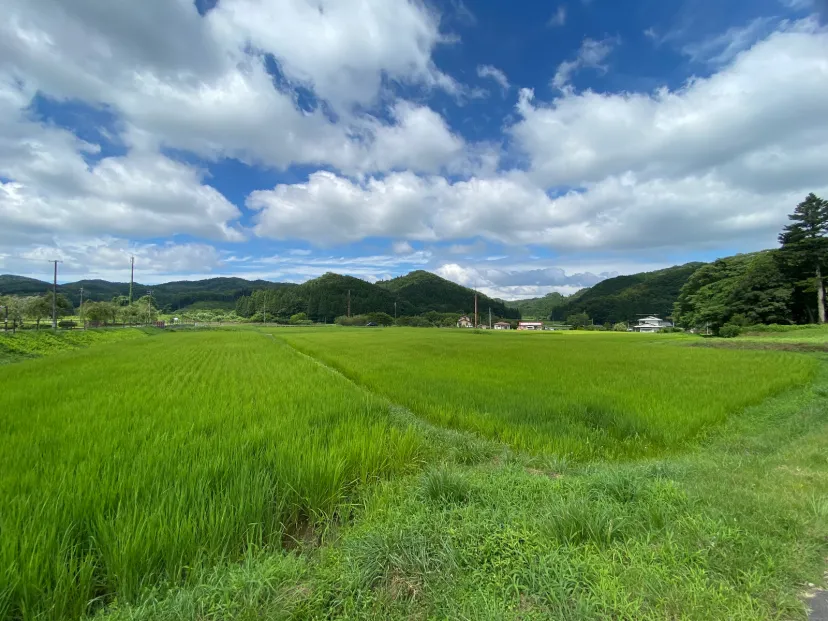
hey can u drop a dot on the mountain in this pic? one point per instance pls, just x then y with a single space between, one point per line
539 308
171 295
429 292
623 298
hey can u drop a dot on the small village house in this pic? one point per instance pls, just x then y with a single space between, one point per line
465 322
503 325
530 325
651 324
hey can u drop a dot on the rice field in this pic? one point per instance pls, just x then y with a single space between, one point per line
579 395
125 467
168 477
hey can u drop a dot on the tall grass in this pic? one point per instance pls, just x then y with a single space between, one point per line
126 468
607 396
32 344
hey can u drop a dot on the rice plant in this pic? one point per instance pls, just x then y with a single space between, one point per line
124 468
582 397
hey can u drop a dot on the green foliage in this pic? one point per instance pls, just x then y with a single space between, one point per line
445 486
169 296
624 297
746 285
539 308
620 327
578 320
299 318
164 458
34 344
611 396
730 330
804 257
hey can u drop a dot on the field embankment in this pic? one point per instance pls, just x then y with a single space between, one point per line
24 344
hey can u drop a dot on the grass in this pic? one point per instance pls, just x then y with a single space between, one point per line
613 396
221 474
733 530
124 468
22 345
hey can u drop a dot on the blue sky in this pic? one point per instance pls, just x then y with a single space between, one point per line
519 148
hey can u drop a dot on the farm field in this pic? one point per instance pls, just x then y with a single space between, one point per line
579 396
223 474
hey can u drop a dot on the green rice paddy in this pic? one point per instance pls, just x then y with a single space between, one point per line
404 473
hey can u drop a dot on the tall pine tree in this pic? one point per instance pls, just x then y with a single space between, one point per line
805 245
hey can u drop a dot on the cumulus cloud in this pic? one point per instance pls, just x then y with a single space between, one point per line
206 84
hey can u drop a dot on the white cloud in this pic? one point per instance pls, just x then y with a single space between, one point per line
109 258
402 247
202 84
591 55
559 18
50 187
513 284
725 47
487 71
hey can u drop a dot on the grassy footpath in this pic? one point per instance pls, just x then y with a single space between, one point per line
23 345
733 530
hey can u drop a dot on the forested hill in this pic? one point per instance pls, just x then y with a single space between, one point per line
624 298
428 292
326 298
170 296
539 308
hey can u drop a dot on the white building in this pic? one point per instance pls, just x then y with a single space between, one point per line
465 322
530 325
503 325
651 324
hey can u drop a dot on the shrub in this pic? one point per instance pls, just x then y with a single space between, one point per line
729 331
66 324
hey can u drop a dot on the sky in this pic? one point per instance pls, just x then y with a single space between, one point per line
515 147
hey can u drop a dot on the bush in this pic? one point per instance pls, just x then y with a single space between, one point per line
729 331
299 318
445 486
415 322
66 324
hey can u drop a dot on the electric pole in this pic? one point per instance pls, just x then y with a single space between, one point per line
149 306
54 295
80 309
395 312
475 309
349 302
264 312
490 318
131 277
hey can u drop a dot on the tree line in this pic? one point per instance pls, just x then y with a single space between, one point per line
782 286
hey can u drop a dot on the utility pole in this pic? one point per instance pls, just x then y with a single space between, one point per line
490 318
475 309
149 306
6 320
80 309
264 311
395 312
349 302
54 295
131 277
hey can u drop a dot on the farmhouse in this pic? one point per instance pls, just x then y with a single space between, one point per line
530 325
503 325
651 324
465 322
